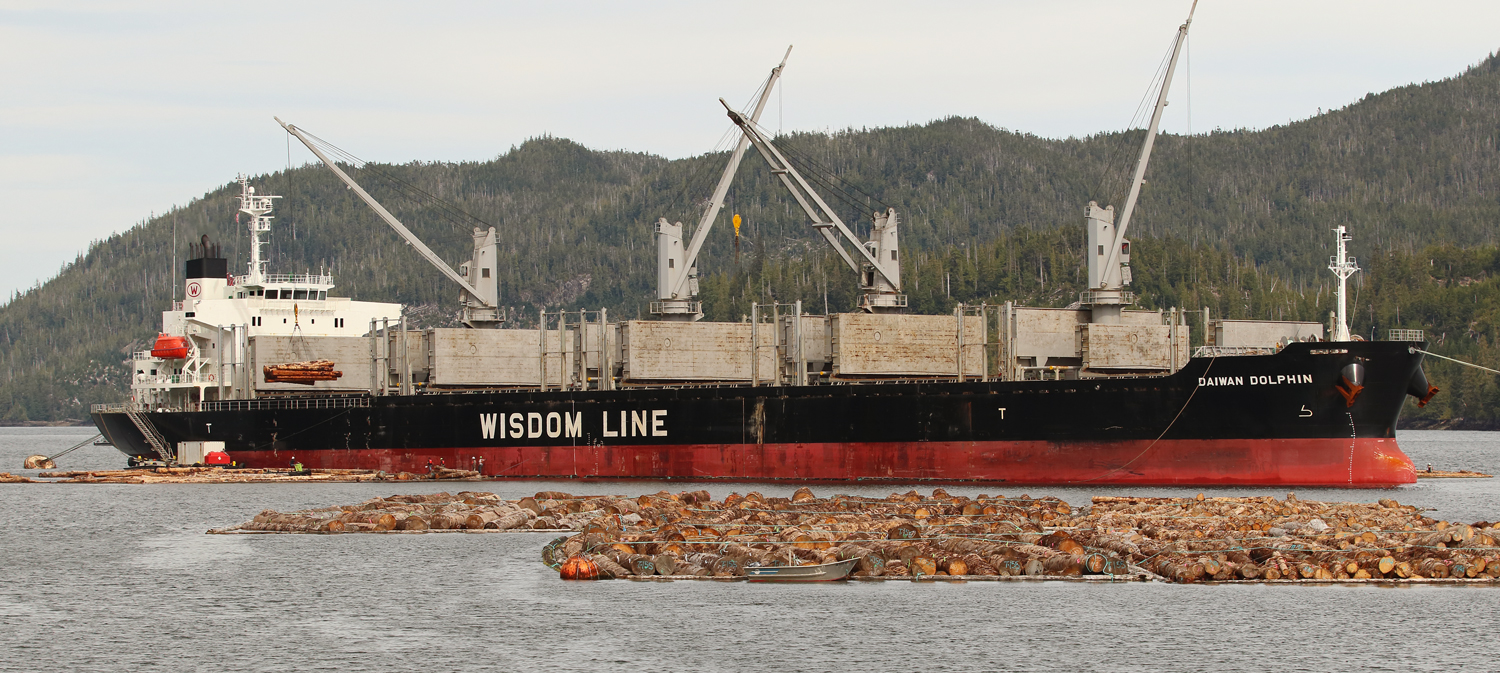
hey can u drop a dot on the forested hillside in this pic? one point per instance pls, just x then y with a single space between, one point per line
1237 221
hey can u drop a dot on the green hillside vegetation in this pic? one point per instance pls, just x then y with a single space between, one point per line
1236 221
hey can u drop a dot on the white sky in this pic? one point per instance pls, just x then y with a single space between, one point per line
115 110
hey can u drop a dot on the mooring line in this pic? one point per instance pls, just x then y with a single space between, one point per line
1466 364
1158 437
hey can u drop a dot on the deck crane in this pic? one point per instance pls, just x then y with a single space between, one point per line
676 268
878 262
479 277
1108 250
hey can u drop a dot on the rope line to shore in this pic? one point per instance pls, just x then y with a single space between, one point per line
1466 364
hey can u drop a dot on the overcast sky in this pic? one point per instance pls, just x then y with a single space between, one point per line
115 110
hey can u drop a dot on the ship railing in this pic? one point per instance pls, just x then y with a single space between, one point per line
178 305
290 279
1049 373
142 355
173 379
1407 335
884 300
1091 297
116 407
1231 351
285 403
676 307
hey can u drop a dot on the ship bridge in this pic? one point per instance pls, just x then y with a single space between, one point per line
227 319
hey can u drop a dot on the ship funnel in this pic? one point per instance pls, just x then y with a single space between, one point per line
206 273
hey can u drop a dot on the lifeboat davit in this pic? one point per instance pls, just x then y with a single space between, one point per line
170 347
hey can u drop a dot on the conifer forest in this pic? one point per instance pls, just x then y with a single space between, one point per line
1235 221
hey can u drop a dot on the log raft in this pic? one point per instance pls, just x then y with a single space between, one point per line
943 537
1430 473
465 512
913 536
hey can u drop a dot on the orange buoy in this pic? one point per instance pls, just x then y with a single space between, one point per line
170 347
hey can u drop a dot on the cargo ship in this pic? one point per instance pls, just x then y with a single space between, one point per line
271 370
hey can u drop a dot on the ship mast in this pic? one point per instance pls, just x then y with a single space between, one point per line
677 286
256 207
1343 266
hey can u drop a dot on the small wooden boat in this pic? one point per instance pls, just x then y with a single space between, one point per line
826 572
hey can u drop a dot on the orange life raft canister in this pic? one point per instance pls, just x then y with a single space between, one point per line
170 347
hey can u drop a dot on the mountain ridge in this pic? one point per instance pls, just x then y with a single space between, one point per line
1405 169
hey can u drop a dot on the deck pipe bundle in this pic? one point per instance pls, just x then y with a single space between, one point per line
910 535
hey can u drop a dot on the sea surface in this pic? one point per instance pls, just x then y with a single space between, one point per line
123 578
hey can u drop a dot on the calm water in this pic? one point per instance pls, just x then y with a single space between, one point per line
121 577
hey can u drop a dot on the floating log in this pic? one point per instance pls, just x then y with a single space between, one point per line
37 462
1173 539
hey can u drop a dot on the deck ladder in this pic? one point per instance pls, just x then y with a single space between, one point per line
153 437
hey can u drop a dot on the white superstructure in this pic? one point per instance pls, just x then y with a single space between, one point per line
222 313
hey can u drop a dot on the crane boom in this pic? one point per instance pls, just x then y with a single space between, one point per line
386 215
822 216
700 234
1140 164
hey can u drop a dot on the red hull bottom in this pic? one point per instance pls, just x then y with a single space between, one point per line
1364 463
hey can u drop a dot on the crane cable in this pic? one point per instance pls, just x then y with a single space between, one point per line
1111 168
446 209
697 178
825 175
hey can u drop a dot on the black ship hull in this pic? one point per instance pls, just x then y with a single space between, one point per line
1291 418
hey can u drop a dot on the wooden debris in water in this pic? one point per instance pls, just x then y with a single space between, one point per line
38 462
910 535
221 475
914 536
464 511
1430 473
8 478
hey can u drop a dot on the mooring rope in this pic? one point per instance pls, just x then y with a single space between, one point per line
75 447
1164 431
1466 364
